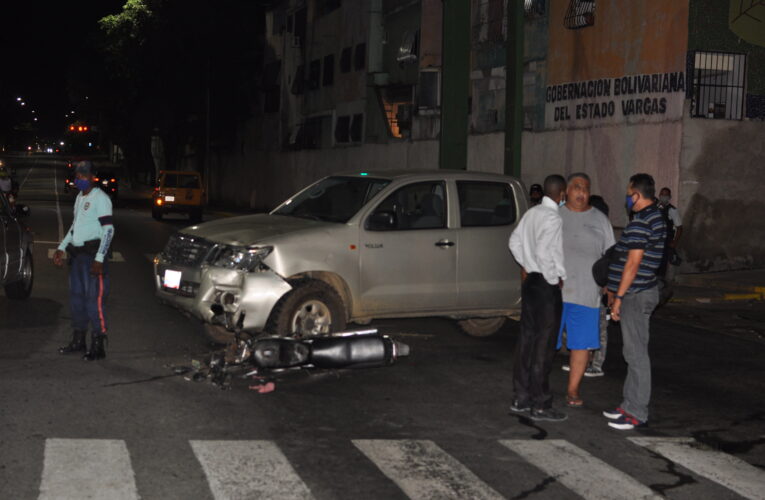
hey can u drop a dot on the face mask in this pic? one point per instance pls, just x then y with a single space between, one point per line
664 200
561 203
82 184
630 202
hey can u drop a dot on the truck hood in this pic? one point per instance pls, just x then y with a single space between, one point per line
251 229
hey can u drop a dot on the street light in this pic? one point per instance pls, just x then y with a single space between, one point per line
23 103
18 98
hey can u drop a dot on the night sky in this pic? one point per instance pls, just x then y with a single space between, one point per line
38 41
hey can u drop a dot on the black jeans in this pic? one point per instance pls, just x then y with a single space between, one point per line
541 309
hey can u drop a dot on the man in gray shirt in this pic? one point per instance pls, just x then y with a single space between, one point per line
587 234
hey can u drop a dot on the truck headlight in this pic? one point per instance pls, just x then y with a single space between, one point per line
241 258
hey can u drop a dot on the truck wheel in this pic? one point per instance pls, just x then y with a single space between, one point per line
22 288
311 308
481 327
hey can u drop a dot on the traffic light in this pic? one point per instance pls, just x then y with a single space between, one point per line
78 128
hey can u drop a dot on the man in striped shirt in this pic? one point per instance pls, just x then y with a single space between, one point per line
633 295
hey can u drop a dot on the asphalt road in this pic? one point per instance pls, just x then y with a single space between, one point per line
435 425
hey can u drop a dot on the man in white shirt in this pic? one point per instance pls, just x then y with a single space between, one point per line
537 245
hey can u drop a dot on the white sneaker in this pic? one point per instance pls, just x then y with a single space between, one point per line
593 372
566 368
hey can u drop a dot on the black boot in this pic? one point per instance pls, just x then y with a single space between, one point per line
96 348
76 345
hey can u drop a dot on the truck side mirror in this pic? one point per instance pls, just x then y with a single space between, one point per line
381 221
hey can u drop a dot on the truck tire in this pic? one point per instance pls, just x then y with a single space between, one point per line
22 289
482 327
311 308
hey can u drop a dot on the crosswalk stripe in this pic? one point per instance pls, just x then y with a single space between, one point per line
87 468
423 470
724 469
249 469
116 256
579 471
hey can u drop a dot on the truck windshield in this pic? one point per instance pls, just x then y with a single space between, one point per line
334 199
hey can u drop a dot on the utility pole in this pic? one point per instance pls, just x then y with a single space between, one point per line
514 88
455 84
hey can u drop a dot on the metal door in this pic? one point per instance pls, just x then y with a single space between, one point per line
409 267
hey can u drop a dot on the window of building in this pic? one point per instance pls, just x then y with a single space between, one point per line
324 7
314 74
429 90
409 48
485 204
357 128
360 57
717 88
329 71
398 106
416 206
343 129
534 7
580 14
345 60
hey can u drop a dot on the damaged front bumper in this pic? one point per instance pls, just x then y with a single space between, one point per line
235 299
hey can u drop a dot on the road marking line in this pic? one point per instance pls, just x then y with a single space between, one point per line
58 207
722 468
26 177
423 470
87 468
249 469
116 256
577 470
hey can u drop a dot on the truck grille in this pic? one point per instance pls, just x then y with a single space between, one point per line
184 250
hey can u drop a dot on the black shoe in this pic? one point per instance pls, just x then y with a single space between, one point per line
547 415
518 407
76 345
96 349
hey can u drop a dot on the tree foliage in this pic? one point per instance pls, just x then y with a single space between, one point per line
168 68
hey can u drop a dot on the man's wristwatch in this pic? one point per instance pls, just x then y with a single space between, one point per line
620 297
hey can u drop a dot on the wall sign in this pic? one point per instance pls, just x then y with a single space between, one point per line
607 101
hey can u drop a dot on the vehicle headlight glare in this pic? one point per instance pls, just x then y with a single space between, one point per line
241 258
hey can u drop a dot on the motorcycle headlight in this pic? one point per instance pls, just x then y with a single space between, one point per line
241 258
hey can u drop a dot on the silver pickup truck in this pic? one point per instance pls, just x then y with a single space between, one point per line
351 248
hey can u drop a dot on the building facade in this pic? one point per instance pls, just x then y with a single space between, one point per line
610 87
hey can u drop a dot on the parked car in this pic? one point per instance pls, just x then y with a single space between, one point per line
16 262
179 192
352 248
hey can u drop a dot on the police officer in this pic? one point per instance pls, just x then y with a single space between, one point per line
87 243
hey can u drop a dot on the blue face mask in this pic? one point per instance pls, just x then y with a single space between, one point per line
561 203
82 184
630 202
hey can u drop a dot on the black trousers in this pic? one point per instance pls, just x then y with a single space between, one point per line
541 308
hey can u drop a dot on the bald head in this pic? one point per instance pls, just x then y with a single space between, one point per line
555 186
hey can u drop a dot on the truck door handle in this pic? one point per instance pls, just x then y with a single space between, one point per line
444 243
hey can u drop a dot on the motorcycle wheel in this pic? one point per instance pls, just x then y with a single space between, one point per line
481 327
312 308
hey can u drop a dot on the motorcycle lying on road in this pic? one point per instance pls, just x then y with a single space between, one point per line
269 358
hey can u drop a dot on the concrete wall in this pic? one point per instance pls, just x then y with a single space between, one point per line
721 203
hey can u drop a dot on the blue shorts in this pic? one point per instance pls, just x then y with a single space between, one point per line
582 326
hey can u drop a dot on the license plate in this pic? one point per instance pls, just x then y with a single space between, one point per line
169 198
172 279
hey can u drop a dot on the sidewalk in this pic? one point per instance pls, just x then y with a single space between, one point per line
730 286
